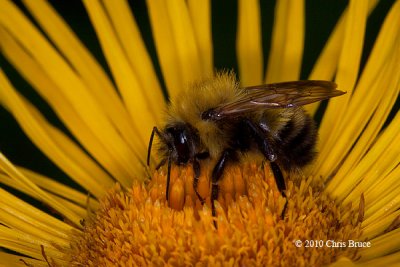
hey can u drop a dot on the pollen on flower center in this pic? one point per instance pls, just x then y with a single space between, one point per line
139 226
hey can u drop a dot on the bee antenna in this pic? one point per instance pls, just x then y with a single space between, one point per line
168 175
155 130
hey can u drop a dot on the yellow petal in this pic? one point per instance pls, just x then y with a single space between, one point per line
78 202
165 45
287 42
70 84
347 73
379 225
30 250
21 242
175 42
19 261
382 245
19 227
343 262
248 43
71 118
185 41
391 260
51 185
91 73
133 46
380 73
78 210
386 205
381 189
37 218
326 65
369 134
371 168
133 95
200 14
55 144
18 177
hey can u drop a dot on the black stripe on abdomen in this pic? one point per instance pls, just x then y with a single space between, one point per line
298 144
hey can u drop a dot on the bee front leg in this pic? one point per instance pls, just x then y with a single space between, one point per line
160 135
168 178
161 163
196 171
227 154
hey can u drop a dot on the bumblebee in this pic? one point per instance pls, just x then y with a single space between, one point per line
218 119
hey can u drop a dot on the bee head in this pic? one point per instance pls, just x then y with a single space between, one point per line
180 141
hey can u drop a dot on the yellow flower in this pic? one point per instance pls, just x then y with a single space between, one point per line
345 210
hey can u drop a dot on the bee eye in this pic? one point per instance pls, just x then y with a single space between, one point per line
181 143
182 147
206 115
210 115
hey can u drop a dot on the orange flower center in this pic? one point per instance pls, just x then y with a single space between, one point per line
139 226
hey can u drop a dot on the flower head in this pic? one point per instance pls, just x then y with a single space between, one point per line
140 226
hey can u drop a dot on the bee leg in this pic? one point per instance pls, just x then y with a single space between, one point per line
161 163
168 177
268 152
280 182
159 134
196 171
261 140
218 170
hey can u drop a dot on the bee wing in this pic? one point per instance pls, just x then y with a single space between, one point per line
276 95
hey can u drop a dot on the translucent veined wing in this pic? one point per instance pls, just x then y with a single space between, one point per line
275 95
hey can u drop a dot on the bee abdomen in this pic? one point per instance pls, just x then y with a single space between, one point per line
297 144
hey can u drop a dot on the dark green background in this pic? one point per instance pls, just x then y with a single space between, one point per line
321 17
